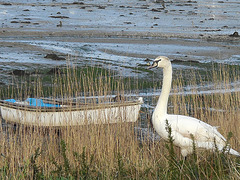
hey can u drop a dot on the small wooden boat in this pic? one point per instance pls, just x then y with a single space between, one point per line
47 112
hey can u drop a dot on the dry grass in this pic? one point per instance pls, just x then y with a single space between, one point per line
113 151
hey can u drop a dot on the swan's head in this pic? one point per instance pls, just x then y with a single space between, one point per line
161 61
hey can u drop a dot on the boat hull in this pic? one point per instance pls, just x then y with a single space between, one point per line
72 116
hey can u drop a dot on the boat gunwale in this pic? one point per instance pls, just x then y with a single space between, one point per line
80 107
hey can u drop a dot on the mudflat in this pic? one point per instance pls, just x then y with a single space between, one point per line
119 34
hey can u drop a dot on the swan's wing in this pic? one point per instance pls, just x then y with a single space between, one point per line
201 131
204 134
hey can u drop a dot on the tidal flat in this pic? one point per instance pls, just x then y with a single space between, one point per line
40 41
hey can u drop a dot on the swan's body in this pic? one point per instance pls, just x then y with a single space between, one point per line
183 127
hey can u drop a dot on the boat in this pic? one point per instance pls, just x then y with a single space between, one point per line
70 112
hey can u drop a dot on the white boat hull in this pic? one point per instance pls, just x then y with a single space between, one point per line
72 116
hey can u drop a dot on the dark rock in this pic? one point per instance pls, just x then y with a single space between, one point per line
19 72
101 7
26 22
61 17
235 34
6 4
78 3
225 26
157 9
54 57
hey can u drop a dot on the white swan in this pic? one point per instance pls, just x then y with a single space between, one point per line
183 127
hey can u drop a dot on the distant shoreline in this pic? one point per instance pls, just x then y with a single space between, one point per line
33 33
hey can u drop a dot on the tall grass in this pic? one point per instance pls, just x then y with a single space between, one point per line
114 151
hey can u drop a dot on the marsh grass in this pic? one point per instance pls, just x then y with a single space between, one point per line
114 151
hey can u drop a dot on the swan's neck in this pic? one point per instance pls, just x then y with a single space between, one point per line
161 108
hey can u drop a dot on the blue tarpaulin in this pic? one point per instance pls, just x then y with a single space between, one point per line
35 102
40 103
10 100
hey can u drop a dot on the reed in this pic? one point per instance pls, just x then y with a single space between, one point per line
114 151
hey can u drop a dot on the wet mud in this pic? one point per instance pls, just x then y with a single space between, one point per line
116 34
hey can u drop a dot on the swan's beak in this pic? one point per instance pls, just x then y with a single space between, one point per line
153 65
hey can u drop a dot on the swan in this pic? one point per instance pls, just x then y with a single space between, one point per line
183 127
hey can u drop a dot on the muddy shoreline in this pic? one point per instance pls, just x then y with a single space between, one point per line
225 43
28 33
22 42
118 35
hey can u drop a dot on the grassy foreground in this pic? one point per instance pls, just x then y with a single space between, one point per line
114 151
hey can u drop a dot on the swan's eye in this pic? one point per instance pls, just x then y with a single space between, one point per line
157 61
154 64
